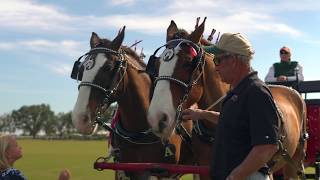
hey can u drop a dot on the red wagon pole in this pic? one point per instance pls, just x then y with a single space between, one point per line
156 168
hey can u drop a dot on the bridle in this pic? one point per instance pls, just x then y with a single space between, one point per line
120 71
194 78
121 68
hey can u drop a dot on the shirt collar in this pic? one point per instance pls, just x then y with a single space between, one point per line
244 82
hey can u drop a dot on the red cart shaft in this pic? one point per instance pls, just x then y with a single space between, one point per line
154 167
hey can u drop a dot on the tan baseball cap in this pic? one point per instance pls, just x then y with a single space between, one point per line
286 49
231 42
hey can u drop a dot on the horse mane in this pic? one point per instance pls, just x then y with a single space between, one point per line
130 52
133 54
181 34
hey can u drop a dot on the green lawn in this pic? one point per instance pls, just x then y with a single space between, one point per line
43 159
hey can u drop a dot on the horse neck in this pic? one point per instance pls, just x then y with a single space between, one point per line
134 101
213 87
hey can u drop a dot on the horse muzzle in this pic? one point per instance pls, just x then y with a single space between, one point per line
82 122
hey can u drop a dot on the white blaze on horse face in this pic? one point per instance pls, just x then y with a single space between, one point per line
161 105
81 115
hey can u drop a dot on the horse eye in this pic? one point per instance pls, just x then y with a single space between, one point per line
187 65
187 62
107 68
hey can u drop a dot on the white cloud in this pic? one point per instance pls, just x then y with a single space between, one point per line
137 22
6 46
122 2
222 15
226 15
62 69
65 47
33 17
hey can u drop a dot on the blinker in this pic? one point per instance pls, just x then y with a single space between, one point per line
168 54
76 74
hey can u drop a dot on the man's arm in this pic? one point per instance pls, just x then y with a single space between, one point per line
270 76
256 159
197 114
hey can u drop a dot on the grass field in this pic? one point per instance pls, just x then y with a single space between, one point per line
43 159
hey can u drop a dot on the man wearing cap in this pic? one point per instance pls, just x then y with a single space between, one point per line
247 126
285 70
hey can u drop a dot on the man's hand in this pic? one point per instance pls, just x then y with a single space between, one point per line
257 158
282 78
199 114
234 176
191 114
64 175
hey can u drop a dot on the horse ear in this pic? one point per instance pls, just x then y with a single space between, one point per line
196 35
94 40
116 43
172 29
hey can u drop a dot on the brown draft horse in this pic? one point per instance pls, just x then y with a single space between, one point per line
169 92
110 73
180 83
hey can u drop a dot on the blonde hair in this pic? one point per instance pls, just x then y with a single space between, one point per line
4 145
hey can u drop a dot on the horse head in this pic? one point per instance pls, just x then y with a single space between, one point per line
100 74
178 74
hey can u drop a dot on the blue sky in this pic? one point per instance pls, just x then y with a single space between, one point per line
40 39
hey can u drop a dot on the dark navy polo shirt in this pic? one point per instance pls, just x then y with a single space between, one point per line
248 118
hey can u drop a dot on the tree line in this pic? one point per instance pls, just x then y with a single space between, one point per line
34 120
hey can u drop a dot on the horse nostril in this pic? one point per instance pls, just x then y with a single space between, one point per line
162 123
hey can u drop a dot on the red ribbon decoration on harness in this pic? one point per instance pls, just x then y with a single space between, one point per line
193 52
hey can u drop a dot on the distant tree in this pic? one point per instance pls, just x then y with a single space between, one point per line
32 119
7 124
49 126
64 124
108 114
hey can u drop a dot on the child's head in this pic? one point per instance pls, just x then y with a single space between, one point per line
10 151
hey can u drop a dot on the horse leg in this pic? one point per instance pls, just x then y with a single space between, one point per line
196 177
291 171
121 175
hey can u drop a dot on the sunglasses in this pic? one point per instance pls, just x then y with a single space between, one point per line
218 59
284 52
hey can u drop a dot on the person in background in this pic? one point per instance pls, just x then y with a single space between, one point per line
247 127
10 152
285 70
